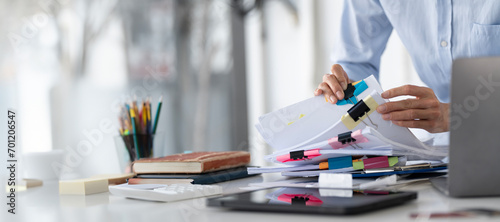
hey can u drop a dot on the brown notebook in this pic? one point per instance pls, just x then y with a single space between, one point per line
198 162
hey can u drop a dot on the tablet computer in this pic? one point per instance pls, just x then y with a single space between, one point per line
312 200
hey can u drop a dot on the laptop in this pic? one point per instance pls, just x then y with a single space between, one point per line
474 159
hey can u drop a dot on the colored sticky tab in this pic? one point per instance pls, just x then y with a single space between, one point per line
359 112
339 162
304 155
393 160
358 164
376 162
359 87
323 166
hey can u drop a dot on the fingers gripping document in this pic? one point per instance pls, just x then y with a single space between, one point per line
320 130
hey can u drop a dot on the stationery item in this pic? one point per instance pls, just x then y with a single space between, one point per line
165 193
330 164
203 178
352 91
359 112
157 114
134 131
136 128
316 156
335 180
83 186
197 162
114 178
375 162
357 140
339 162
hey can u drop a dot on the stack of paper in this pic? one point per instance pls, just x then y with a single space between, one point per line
314 132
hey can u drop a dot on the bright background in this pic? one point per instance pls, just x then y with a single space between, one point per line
65 66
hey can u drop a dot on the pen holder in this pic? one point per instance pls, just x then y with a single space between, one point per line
125 147
145 146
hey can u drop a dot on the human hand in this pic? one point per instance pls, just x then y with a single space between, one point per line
333 85
425 111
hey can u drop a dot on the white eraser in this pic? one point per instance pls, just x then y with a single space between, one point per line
335 180
83 186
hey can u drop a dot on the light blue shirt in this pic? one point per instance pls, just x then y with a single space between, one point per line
434 33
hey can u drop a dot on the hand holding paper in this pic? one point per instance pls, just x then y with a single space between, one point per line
333 85
425 111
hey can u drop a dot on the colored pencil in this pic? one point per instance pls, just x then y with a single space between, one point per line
157 114
134 133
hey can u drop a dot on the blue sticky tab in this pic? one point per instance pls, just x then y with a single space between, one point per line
360 87
339 162
345 102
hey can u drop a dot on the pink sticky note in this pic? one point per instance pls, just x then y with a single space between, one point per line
376 162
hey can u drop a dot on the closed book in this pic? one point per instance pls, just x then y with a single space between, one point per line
203 178
197 162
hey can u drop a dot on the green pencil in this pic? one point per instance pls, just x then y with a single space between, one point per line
132 116
157 114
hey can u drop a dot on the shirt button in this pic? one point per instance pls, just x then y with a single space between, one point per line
444 43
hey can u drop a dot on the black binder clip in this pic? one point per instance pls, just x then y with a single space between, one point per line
347 138
359 110
349 91
298 200
297 155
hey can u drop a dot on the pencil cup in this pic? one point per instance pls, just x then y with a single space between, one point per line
126 150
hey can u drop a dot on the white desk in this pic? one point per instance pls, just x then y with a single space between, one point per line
45 204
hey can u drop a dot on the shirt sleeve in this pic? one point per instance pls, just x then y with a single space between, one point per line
362 38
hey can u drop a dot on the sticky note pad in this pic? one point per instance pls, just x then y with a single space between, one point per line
393 160
358 164
376 162
340 162
83 186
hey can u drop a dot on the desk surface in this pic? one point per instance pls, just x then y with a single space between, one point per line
45 204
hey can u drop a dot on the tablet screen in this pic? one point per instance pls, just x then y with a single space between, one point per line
313 200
